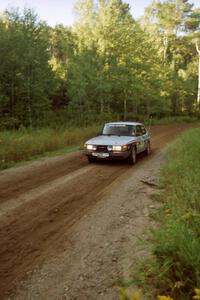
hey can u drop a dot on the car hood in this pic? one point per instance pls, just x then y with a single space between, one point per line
111 140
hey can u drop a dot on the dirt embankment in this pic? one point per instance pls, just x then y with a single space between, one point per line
65 224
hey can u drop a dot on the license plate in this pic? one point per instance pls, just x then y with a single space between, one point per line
101 155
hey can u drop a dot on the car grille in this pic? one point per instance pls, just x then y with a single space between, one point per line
102 148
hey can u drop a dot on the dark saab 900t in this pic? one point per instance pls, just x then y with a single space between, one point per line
119 140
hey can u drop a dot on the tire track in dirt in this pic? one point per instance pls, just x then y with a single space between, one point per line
35 230
40 191
14 182
40 211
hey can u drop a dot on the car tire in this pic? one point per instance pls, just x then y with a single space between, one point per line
133 156
148 148
91 159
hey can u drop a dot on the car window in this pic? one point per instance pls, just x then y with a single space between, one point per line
138 130
115 129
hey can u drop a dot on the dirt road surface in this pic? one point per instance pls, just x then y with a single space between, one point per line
69 229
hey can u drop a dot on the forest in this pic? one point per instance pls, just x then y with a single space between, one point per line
107 66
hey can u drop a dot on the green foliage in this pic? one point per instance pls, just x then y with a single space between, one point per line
25 74
22 145
107 63
165 21
176 241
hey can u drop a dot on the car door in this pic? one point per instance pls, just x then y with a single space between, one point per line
144 137
140 140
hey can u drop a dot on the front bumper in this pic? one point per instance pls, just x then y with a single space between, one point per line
107 154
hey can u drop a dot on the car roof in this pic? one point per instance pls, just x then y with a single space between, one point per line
124 123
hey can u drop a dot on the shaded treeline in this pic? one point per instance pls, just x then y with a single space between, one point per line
107 66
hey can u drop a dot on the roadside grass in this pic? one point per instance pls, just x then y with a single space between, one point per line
18 146
24 145
174 269
175 119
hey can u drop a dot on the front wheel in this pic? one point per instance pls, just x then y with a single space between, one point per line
91 159
133 157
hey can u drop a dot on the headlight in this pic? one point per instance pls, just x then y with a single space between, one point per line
91 147
117 148
120 148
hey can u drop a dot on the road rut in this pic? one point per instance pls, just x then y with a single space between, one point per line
42 201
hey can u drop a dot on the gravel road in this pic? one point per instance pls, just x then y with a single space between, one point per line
69 229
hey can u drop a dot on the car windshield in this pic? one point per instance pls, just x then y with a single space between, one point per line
121 129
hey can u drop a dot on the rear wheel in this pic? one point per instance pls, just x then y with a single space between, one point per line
91 159
133 157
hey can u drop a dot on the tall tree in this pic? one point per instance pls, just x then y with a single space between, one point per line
62 49
169 22
198 91
27 78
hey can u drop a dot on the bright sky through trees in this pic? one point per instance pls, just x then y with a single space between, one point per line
61 11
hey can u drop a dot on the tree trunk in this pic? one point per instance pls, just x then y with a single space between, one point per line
29 98
135 108
198 91
102 105
12 98
165 43
101 92
125 105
